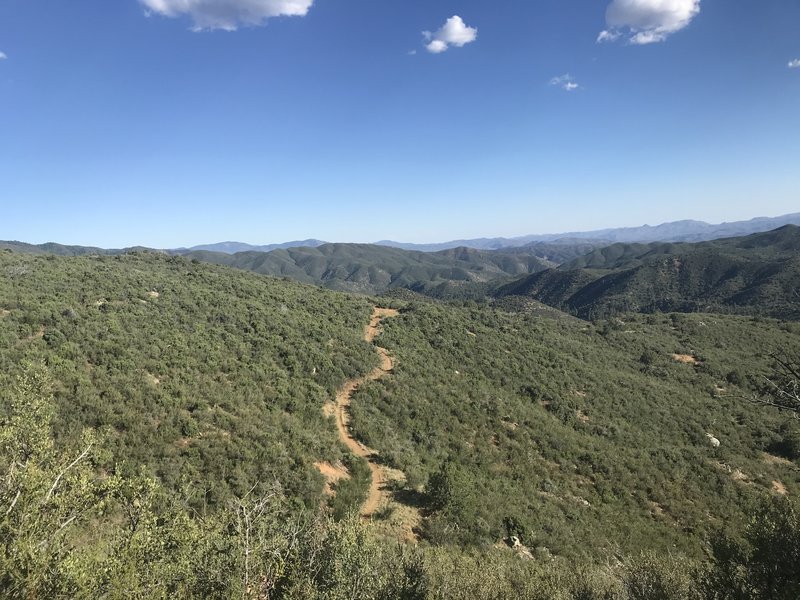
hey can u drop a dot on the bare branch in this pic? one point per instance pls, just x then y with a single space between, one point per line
10 508
781 389
65 523
767 402
788 367
64 471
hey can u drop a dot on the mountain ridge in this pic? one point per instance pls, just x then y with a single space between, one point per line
231 247
674 231
755 274
368 268
686 230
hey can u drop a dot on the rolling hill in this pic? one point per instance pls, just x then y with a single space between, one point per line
65 250
756 274
367 268
234 247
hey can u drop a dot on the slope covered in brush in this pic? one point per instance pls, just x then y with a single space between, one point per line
581 438
211 377
757 274
216 378
369 268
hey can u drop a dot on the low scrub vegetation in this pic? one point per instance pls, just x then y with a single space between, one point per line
161 419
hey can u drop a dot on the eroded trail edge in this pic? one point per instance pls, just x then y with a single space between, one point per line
378 496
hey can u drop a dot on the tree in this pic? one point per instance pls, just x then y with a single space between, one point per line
781 388
764 564
69 530
44 493
448 491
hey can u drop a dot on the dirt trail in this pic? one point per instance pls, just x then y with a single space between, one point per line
378 495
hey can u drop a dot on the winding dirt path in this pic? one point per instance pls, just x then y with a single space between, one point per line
378 495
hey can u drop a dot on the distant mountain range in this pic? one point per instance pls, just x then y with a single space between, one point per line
553 247
235 247
677 231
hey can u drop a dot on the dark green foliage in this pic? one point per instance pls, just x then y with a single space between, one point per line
764 565
351 493
559 251
782 243
445 489
367 268
758 274
651 577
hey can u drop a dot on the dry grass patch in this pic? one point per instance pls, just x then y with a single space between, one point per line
779 488
656 510
687 359
740 476
771 459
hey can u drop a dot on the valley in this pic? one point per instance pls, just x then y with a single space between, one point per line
448 425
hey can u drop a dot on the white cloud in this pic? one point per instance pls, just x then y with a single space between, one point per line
608 36
565 82
453 33
3 56
793 64
228 14
436 47
647 21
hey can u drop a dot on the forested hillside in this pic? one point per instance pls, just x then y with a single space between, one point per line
210 377
372 269
60 249
779 244
752 275
588 437
164 432
757 274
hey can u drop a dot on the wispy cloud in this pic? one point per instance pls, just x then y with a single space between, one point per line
647 21
608 36
228 15
453 33
793 64
3 56
565 82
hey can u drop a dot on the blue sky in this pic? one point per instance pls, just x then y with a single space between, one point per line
177 122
